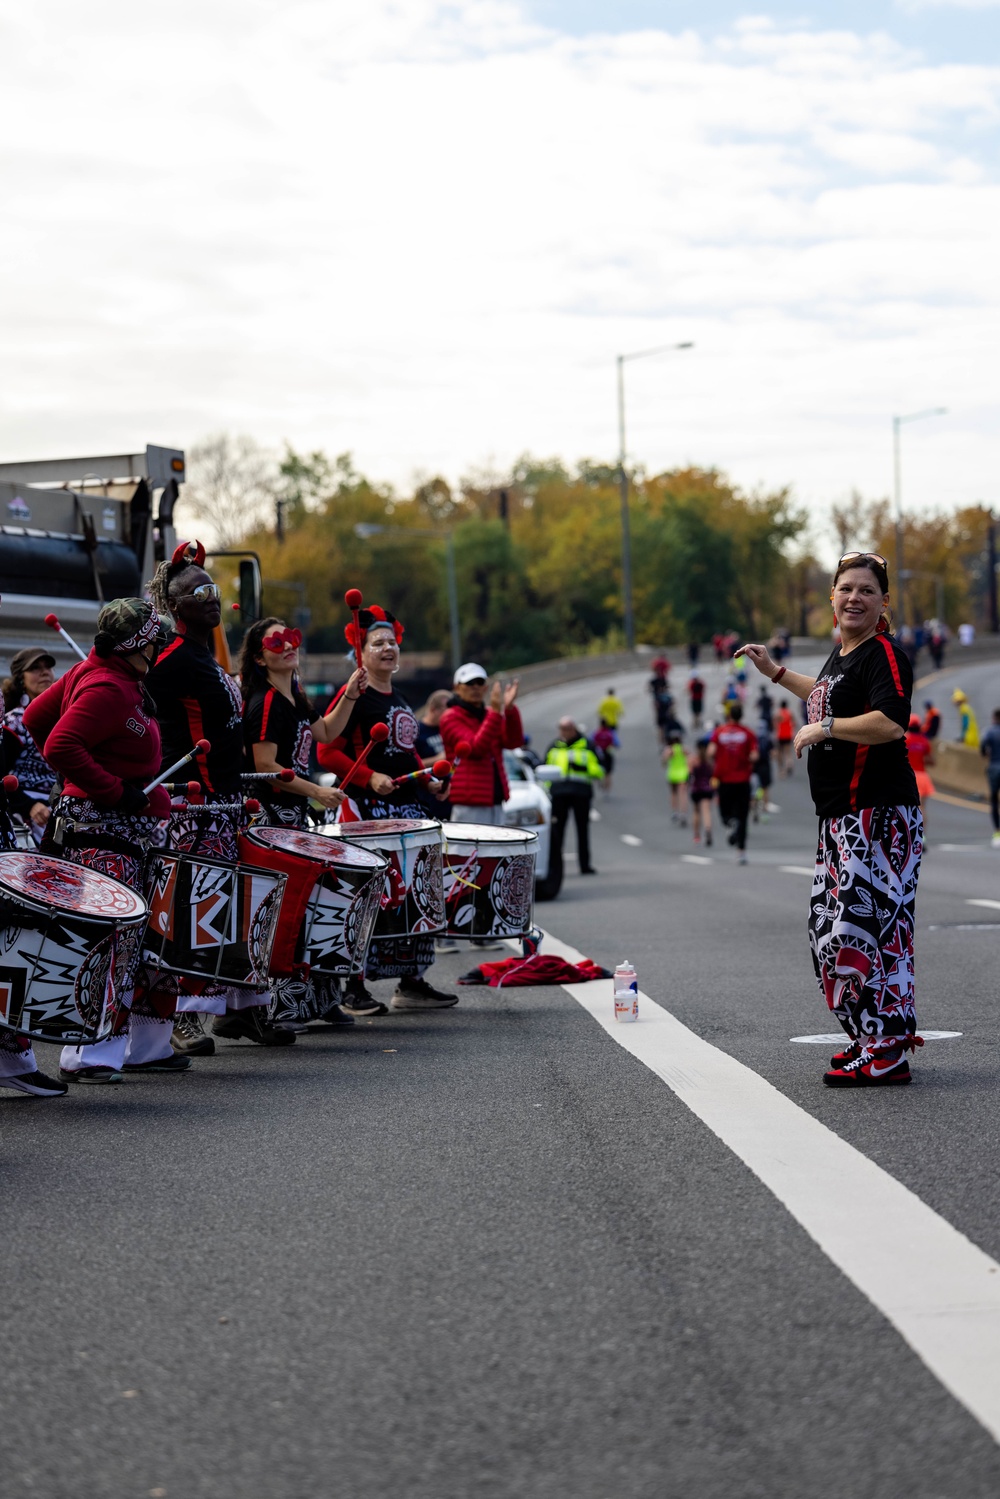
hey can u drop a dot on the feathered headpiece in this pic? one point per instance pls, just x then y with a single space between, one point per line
368 618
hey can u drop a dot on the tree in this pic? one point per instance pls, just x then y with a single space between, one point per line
231 485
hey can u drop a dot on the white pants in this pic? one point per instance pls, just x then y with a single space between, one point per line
148 1040
490 816
228 998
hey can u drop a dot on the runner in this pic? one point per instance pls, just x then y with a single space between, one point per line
676 769
785 737
990 750
696 698
702 784
932 720
733 752
605 743
871 829
611 709
921 754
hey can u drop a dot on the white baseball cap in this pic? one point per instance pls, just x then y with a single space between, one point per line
470 672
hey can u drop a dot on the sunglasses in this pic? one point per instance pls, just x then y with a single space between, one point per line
280 640
206 591
872 556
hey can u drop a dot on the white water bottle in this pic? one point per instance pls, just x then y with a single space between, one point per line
626 984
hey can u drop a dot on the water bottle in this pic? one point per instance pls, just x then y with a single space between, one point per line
626 985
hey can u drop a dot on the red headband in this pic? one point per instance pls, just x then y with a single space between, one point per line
370 618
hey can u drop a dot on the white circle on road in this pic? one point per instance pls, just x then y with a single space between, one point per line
842 1036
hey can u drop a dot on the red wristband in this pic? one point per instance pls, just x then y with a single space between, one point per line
778 675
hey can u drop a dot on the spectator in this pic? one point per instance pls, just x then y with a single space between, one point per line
479 782
968 728
430 747
605 743
573 793
31 672
990 750
932 721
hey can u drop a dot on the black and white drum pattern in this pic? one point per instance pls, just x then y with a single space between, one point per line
489 880
212 920
412 901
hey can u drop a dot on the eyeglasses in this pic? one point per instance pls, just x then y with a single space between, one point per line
281 640
873 556
206 591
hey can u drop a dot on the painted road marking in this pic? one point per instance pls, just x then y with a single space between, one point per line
796 869
991 905
632 840
696 859
841 1037
961 848
965 926
942 1294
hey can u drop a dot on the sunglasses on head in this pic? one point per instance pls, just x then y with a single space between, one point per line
867 556
281 640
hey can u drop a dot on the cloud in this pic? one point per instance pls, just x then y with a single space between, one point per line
422 231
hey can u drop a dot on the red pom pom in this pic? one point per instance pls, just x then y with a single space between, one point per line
203 746
379 733
194 788
52 621
235 608
442 768
286 775
354 598
462 747
252 804
10 783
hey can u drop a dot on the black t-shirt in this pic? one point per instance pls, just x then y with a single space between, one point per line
269 718
195 699
396 756
845 777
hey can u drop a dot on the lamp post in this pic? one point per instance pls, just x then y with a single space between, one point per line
897 480
628 615
366 531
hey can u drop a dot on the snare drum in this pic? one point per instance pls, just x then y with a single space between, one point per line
330 901
69 944
412 902
212 920
489 880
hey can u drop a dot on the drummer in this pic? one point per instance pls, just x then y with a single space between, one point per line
31 672
374 795
279 727
195 699
97 727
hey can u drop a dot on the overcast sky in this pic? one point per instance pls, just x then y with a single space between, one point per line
422 231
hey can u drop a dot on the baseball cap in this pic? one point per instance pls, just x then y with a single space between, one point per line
30 657
470 672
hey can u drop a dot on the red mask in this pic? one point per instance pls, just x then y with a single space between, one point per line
280 640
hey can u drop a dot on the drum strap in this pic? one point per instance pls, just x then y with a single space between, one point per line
72 835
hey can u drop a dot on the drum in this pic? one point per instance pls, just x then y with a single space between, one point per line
489 880
413 895
330 902
211 920
69 944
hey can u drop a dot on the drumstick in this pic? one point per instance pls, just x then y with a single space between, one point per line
268 775
10 783
440 770
379 734
354 598
201 748
53 624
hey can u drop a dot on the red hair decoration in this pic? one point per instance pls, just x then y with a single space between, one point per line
192 553
368 618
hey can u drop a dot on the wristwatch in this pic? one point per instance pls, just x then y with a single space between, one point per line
826 724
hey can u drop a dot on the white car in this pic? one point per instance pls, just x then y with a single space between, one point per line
528 806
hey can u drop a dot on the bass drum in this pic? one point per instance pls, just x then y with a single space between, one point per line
412 903
489 880
330 901
69 942
212 920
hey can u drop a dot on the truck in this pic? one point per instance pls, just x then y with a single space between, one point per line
77 532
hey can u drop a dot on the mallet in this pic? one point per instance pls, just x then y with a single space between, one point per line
10 783
268 775
440 770
354 598
379 734
53 623
201 748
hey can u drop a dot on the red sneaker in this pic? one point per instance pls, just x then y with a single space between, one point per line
874 1067
849 1054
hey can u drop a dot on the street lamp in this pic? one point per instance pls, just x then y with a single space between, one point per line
365 530
897 422
627 610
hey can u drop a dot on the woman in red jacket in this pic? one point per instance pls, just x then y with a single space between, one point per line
479 783
96 727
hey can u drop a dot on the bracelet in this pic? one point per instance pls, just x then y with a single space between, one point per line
778 675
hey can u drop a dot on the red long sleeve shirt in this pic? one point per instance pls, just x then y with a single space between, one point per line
92 726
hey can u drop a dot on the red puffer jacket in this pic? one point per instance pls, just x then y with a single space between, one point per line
488 734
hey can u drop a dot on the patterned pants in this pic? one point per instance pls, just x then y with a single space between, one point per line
16 1054
861 918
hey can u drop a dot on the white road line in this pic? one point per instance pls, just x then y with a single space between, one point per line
696 859
632 840
796 869
940 1292
991 905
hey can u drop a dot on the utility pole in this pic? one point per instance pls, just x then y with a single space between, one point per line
991 564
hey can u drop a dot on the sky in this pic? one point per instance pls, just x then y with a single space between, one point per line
422 231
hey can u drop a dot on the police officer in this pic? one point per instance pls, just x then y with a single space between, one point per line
573 793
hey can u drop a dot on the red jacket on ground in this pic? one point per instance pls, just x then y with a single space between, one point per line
474 783
93 727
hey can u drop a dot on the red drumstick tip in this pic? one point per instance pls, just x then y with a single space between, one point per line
194 788
52 620
462 747
379 733
286 775
10 783
235 608
252 804
442 768
203 746
354 598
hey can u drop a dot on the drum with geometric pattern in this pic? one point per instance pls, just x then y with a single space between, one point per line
210 919
489 880
412 901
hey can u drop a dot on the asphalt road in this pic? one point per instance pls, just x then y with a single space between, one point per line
488 1252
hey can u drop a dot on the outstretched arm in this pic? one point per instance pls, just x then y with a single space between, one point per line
800 685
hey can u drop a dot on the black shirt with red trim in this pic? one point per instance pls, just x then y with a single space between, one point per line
395 756
195 699
846 777
269 718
